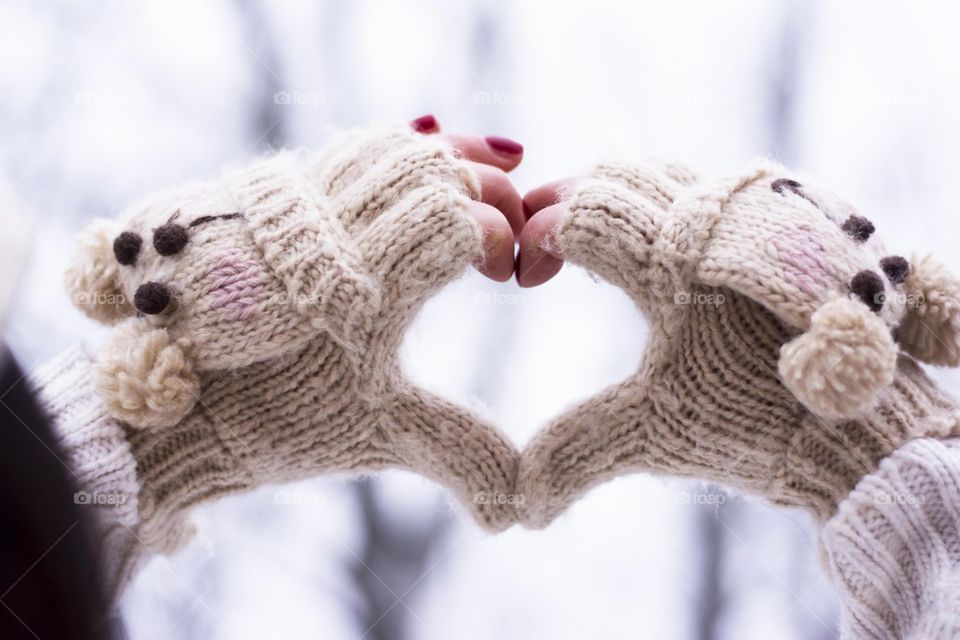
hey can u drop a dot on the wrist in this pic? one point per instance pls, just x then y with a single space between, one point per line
179 467
94 447
826 460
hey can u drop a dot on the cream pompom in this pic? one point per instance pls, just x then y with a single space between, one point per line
839 365
92 278
931 329
146 380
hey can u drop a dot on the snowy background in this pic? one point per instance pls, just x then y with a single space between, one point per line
105 101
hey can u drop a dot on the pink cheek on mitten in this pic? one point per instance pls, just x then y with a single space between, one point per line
801 257
233 285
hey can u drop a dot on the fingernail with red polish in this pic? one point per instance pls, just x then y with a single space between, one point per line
424 123
504 145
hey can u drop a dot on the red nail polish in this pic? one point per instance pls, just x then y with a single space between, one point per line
424 123
504 145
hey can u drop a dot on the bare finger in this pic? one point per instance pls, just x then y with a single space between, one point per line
495 151
548 194
498 191
497 262
539 259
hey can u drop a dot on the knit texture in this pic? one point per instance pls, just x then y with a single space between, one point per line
894 546
772 364
286 289
97 454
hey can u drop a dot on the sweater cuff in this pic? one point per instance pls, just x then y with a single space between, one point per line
98 455
893 546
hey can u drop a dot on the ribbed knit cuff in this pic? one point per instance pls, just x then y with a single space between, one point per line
825 460
364 168
98 454
139 485
894 546
306 246
613 225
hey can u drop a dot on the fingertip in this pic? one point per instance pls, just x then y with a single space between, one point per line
498 242
542 269
538 258
426 124
492 150
548 194
498 191
509 152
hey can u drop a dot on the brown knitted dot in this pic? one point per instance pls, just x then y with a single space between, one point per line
169 239
868 286
126 247
896 268
858 228
151 298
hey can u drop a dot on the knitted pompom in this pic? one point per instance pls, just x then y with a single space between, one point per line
92 278
931 328
838 367
144 379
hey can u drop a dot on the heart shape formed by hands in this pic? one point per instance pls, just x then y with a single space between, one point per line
772 363
258 316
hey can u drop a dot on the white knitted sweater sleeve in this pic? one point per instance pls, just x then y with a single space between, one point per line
894 546
99 457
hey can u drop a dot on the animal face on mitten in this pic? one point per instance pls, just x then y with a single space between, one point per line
818 264
257 321
191 269
187 278
777 321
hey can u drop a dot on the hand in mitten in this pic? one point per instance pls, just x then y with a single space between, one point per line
777 318
257 320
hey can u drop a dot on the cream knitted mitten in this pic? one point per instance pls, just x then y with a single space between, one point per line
772 363
257 321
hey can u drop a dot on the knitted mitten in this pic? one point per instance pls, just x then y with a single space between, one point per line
257 320
772 363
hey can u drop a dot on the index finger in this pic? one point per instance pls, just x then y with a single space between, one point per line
495 151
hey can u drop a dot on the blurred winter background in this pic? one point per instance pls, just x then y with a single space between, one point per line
103 101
